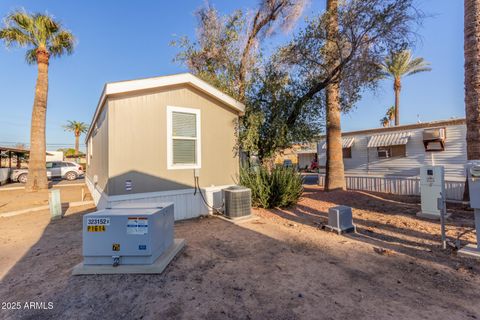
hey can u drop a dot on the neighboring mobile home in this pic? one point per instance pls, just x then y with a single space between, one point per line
399 152
150 138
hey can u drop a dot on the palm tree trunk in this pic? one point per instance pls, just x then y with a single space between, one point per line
472 81
472 77
335 175
37 173
397 87
77 139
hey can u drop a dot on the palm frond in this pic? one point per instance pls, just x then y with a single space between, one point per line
399 64
22 19
36 31
45 27
418 70
76 126
31 56
14 35
62 42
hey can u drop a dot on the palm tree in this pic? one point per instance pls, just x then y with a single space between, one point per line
44 37
385 122
390 114
335 171
77 128
472 77
398 65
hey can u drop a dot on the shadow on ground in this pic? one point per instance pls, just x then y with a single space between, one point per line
260 270
388 222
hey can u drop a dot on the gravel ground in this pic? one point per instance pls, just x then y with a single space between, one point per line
280 266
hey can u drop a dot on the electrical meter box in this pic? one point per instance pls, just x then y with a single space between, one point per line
127 234
432 188
473 174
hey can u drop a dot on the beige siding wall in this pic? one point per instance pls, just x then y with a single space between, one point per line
138 141
98 164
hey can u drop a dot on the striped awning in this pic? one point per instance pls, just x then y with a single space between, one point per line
347 142
391 139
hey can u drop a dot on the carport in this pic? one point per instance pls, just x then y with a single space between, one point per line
6 156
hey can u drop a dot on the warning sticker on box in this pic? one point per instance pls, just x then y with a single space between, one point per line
137 226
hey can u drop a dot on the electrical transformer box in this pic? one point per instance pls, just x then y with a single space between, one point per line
432 188
127 234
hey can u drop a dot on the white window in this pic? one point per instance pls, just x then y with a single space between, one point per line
183 138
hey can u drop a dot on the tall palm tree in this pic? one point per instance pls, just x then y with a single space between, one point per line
398 65
45 38
335 171
472 76
77 128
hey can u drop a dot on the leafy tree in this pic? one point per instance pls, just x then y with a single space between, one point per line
269 105
398 65
347 56
45 38
70 152
77 128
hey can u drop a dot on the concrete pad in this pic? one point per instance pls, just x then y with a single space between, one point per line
432 216
238 220
469 251
352 229
155 268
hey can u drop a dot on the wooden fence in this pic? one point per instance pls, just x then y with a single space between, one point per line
397 185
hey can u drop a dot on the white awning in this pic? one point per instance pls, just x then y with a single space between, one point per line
391 139
347 142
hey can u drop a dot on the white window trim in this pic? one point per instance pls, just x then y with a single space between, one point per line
198 149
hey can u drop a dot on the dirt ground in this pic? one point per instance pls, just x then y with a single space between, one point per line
13 200
280 266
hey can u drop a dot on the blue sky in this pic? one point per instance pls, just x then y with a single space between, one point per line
124 39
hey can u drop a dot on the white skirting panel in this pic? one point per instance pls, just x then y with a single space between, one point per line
187 204
397 185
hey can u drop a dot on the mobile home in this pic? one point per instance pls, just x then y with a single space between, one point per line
154 139
397 153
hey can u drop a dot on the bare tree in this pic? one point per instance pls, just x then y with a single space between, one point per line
225 52
270 15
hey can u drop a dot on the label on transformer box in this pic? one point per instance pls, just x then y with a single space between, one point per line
97 224
137 226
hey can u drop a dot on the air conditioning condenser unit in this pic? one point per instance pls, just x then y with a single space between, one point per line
238 202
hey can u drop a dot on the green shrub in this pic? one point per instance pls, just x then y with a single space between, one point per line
278 187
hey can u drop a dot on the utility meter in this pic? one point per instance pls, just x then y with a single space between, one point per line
473 172
432 188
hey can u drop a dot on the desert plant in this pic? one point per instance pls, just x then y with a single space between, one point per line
276 187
